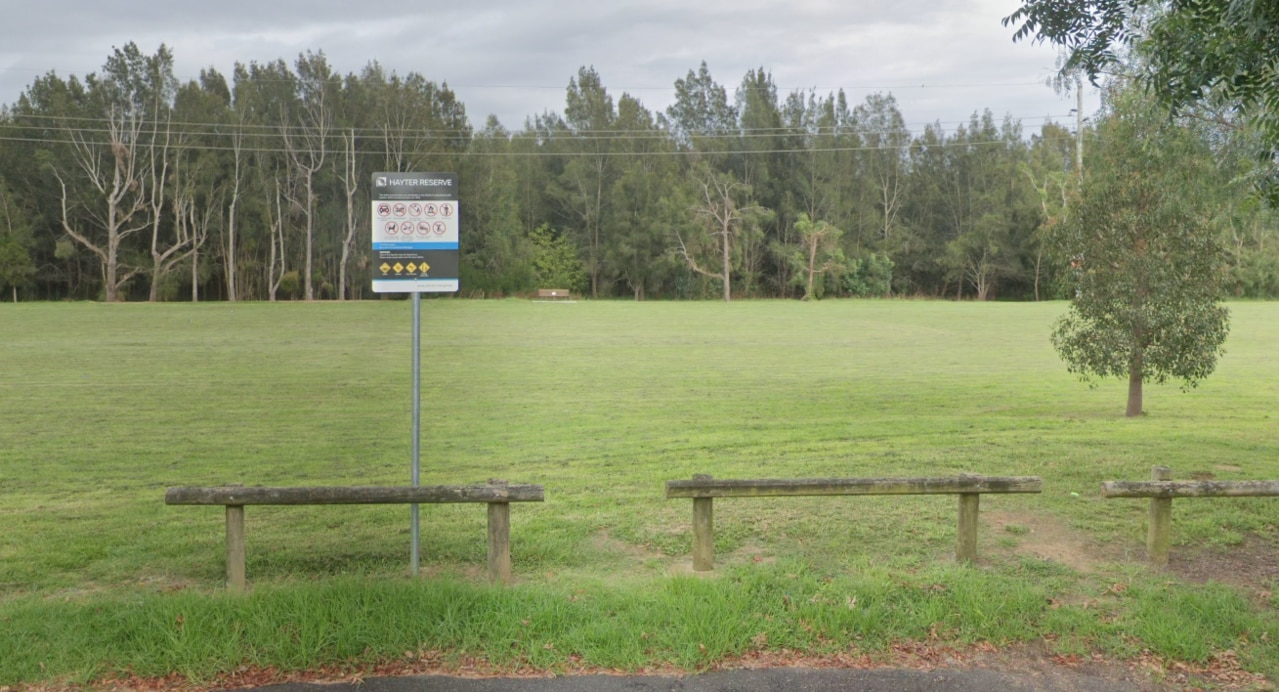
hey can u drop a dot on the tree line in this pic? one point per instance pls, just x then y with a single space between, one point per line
129 184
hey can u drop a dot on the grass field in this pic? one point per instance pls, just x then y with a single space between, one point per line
103 406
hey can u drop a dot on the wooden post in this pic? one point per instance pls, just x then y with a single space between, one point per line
966 547
703 531
1159 533
235 580
499 539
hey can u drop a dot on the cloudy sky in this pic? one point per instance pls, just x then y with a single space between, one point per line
513 58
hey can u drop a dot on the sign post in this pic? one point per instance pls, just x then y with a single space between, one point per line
415 250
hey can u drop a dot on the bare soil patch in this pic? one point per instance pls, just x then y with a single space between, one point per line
1044 537
1253 565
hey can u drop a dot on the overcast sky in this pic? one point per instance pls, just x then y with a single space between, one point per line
513 58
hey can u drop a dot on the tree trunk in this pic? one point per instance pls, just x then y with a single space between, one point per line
309 289
812 269
231 294
1134 388
195 274
727 253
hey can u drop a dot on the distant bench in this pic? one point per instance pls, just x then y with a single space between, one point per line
554 294
497 494
703 489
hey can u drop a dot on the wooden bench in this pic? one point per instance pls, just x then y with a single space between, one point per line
497 494
703 489
554 294
1161 490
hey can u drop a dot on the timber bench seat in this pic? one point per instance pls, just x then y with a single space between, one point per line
703 489
496 494
554 294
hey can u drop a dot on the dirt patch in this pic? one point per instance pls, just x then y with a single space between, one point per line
1254 564
1043 537
605 543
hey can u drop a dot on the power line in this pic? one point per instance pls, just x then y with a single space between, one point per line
338 133
942 144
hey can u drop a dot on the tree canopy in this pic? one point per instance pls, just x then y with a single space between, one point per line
1146 261
131 184
1191 52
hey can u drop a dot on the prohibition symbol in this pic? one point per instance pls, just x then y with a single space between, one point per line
430 210
401 209
423 228
415 209
384 209
391 228
446 210
439 228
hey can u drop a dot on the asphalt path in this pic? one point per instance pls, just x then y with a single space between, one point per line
766 680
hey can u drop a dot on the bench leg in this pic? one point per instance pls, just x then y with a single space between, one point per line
703 534
966 549
235 548
499 542
1159 533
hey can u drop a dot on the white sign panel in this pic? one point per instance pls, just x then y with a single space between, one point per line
415 232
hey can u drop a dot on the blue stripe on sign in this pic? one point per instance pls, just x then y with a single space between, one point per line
415 246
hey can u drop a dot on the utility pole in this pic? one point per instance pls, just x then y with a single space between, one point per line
1079 127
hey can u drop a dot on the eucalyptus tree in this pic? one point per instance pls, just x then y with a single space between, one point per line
263 97
307 129
185 190
419 125
819 251
885 142
1146 261
723 213
101 135
1206 52
228 132
760 160
1051 177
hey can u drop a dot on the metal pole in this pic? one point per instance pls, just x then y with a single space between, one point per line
417 424
1079 127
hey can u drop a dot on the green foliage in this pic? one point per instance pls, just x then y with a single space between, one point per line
1147 266
818 253
17 268
954 213
291 285
496 256
866 277
556 260
1190 54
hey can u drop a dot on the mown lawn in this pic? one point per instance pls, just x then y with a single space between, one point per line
103 406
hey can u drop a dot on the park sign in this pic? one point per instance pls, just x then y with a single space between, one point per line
415 232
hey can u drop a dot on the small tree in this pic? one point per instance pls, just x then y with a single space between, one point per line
1145 264
819 245
556 260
